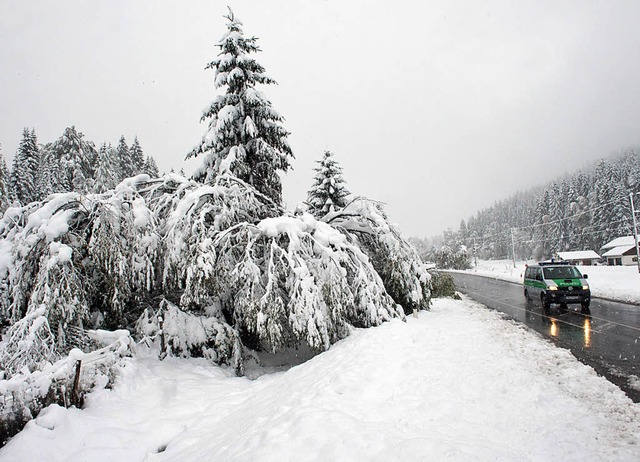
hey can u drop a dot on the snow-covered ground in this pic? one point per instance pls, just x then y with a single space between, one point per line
613 282
458 383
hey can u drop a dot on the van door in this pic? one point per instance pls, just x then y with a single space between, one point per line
540 285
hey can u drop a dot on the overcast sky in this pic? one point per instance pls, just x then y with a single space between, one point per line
437 108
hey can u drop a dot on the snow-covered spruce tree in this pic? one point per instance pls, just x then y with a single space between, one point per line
107 169
150 167
4 184
123 154
621 224
70 161
245 137
137 157
48 173
328 192
25 169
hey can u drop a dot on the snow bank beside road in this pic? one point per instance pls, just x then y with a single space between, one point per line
620 283
459 383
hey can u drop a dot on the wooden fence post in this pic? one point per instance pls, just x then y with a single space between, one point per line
76 382
163 353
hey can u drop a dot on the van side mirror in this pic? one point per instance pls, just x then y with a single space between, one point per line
585 276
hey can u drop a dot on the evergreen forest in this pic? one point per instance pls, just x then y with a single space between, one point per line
579 211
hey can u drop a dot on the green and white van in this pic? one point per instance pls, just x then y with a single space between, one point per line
556 282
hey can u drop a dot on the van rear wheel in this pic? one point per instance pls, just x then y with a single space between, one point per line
528 299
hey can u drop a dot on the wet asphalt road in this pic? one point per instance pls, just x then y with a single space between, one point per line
608 340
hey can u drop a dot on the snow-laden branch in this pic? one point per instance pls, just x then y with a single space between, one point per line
397 262
223 256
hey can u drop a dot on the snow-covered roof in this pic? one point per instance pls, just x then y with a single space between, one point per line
618 242
579 255
618 251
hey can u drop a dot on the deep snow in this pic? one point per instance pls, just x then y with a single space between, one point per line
458 383
621 283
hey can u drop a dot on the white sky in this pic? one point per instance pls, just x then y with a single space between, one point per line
437 108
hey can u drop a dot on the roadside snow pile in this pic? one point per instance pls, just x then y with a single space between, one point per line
621 283
458 383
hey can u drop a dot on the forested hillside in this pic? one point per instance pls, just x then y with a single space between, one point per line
580 211
70 163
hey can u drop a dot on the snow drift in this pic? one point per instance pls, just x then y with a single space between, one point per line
458 383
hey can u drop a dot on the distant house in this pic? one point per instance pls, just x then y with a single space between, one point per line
620 252
622 255
618 242
579 257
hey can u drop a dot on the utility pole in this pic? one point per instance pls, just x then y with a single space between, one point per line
475 252
635 230
513 248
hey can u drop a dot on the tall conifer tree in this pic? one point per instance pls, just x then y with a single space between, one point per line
70 162
4 184
150 167
107 169
137 157
125 169
245 137
25 169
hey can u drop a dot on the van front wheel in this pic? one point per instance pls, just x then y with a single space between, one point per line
585 308
546 305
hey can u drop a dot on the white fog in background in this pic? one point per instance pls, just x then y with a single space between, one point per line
437 108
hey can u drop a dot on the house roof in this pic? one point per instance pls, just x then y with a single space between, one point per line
619 251
619 242
579 255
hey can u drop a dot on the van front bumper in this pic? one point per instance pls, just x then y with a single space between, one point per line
568 296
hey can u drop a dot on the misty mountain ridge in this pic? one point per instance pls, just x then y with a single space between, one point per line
576 211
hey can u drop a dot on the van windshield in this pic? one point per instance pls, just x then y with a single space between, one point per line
561 272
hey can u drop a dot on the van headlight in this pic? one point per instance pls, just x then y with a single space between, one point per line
585 287
553 287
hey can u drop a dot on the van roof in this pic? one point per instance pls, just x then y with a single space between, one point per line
554 263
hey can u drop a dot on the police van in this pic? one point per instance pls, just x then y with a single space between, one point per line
557 283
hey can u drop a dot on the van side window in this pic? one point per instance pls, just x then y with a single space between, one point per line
527 273
539 274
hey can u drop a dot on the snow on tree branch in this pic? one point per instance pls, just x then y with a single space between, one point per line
245 137
397 262
222 254
191 335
